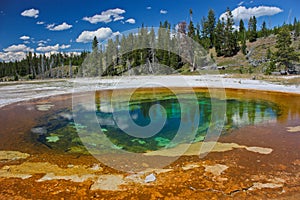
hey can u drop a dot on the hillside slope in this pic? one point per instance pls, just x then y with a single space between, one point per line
255 59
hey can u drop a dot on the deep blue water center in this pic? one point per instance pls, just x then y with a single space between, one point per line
114 119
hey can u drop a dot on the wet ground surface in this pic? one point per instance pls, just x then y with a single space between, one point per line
31 170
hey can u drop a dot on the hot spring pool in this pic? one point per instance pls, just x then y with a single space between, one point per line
59 130
258 146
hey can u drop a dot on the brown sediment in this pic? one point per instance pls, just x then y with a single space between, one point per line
270 170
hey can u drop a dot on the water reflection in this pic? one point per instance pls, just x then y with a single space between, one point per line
61 131
238 113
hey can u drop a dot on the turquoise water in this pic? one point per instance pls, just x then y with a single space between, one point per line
60 130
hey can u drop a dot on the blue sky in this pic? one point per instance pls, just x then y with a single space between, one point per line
44 26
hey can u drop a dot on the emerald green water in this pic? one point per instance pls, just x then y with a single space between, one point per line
60 132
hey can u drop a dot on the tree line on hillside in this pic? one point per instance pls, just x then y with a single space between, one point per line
33 66
154 51
167 46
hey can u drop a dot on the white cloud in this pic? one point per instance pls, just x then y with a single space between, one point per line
60 27
241 3
101 34
163 11
130 21
98 18
235 27
48 48
24 37
53 48
244 13
42 41
149 8
50 26
12 56
65 46
118 18
40 23
14 52
116 33
106 16
30 13
18 48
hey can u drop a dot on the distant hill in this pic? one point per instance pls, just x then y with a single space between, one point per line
256 58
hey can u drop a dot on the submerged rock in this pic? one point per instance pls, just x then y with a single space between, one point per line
53 138
150 178
108 182
5 174
216 169
190 166
293 129
39 130
265 185
260 150
44 107
13 155
139 141
162 141
200 148
66 115
73 178
77 173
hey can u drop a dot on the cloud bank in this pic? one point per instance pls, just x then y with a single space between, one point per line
53 48
24 37
130 21
101 34
14 52
18 48
60 27
30 13
244 13
106 16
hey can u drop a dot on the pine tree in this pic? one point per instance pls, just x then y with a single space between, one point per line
219 38
296 29
252 34
211 24
197 36
230 40
191 30
152 45
205 41
123 50
264 30
191 14
254 27
116 49
244 46
285 53
242 37
242 30
95 44
70 69
160 43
